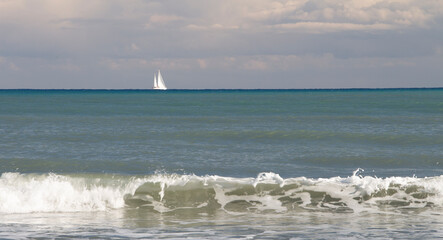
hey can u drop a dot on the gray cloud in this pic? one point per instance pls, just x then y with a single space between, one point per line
221 44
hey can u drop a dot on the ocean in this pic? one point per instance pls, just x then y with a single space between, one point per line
221 164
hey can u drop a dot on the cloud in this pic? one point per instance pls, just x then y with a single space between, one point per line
124 64
134 47
316 39
8 64
349 13
13 67
66 67
356 15
322 27
160 20
211 27
255 63
202 63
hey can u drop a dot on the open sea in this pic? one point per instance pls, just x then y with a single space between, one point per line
221 164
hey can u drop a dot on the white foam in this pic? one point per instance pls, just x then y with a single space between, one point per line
270 178
23 193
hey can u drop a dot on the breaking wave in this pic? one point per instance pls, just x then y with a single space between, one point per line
267 193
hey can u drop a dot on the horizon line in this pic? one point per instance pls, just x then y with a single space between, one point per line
211 89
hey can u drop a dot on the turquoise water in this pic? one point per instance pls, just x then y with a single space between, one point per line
228 133
184 163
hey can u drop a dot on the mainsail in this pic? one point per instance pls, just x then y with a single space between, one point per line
158 82
155 81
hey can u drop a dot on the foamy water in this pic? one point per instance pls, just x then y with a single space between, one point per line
267 193
217 207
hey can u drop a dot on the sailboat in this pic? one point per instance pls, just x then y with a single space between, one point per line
159 84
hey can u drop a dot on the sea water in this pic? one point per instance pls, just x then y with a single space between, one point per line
220 164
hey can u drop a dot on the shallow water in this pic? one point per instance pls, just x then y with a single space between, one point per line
136 223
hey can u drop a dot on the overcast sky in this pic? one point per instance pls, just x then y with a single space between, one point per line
221 44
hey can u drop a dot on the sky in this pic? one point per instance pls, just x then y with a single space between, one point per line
206 44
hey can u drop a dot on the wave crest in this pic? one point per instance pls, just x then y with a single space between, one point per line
268 192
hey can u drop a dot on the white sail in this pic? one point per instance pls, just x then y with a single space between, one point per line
155 82
158 82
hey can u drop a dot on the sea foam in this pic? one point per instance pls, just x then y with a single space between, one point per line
267 193
24 193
